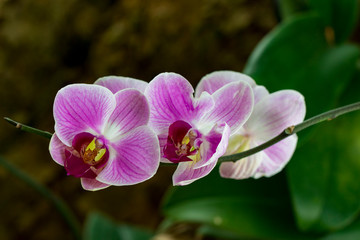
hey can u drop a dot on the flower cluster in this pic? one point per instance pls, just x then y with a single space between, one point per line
117 130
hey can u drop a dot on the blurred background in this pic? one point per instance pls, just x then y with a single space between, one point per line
45 45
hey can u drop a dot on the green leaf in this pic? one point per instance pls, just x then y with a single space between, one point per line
323 176
296 56
100 227
250 208
288 8
218 233
305 62
349 233
351 93
341 15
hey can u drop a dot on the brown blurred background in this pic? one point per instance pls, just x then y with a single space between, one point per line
45 45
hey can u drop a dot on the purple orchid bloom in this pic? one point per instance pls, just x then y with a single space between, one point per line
272 114
194 132
102 137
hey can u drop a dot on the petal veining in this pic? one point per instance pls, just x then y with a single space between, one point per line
276 157
233 104
170 98
57 150
243 168
134 158
81 108
214 81
132 110
274 113
186 174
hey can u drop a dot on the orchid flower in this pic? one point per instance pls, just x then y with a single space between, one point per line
194 132
272 114
102 137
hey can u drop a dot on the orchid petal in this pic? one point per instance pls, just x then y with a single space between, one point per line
260 92
81 108
162 142
211 149
115 83
243 168
214 81
57 150
276 157
186 174
170 99
233 104
92 184
75 166
134 158
132 110
214 145
274 113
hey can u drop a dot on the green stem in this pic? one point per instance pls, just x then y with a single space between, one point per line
60 205
28 129
292 130
286 133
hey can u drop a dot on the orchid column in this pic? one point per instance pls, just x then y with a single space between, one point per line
194 132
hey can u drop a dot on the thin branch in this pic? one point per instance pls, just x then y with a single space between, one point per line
28 129
287 132
292 130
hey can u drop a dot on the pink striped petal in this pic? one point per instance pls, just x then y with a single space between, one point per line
170 99
57 150
214 145
274 113
233 104
132 110
216 80
134 158
186 174
115 83
92 184
81 108
211 149
276 157
243 168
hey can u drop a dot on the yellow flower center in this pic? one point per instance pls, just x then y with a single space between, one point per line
93 152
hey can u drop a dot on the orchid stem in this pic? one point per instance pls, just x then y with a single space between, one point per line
59 204
28 129
292 130
284 134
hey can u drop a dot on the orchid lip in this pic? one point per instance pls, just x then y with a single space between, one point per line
87 156
183 141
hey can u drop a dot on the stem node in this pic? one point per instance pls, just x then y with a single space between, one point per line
290 130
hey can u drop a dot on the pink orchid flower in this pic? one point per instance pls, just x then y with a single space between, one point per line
194 132
102 137
271 115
